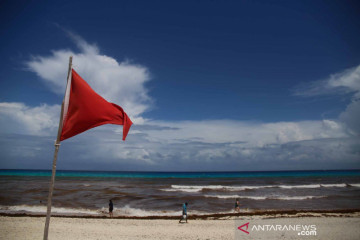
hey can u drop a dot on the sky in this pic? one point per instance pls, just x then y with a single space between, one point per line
210 85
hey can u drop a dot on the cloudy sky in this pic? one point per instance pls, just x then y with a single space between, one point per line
210 86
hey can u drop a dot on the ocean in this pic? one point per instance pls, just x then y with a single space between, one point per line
163 193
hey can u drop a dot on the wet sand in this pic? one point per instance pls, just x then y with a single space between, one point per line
328 226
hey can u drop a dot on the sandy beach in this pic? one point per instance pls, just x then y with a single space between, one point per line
327 227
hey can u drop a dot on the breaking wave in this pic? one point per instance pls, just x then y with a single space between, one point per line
265 197
194 188
125 211
42 210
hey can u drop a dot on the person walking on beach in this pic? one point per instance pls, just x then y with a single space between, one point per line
111 207
237 205
184 213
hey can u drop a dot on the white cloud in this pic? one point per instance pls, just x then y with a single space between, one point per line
162 150
345 82
183 145
164 143
255 134
19 118
348 79
351 117
120 82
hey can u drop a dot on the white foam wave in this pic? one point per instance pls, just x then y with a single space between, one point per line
182 190
42 209
235 196
300 186
129 211
124 211
265 197
198 188
313 185
355 184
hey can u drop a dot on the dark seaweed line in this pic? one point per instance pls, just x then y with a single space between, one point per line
268 213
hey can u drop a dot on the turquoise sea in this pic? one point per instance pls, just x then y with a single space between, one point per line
127 174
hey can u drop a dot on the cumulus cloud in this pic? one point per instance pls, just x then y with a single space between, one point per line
119 82
208 145
255 134
345 82
351 117
183 145
19 118
102 149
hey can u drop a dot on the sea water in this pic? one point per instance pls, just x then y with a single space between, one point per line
163 193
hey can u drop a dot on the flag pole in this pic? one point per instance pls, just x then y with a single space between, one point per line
57 146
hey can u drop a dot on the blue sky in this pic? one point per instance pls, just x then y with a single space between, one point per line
210 85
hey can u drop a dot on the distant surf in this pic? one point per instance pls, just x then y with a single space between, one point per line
265 197
195 188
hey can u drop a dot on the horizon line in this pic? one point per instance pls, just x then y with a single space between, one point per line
183 171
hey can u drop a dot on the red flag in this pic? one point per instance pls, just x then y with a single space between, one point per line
85 109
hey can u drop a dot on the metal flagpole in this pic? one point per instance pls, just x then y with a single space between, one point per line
57 146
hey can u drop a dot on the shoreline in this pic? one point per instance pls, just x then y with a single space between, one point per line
214 216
